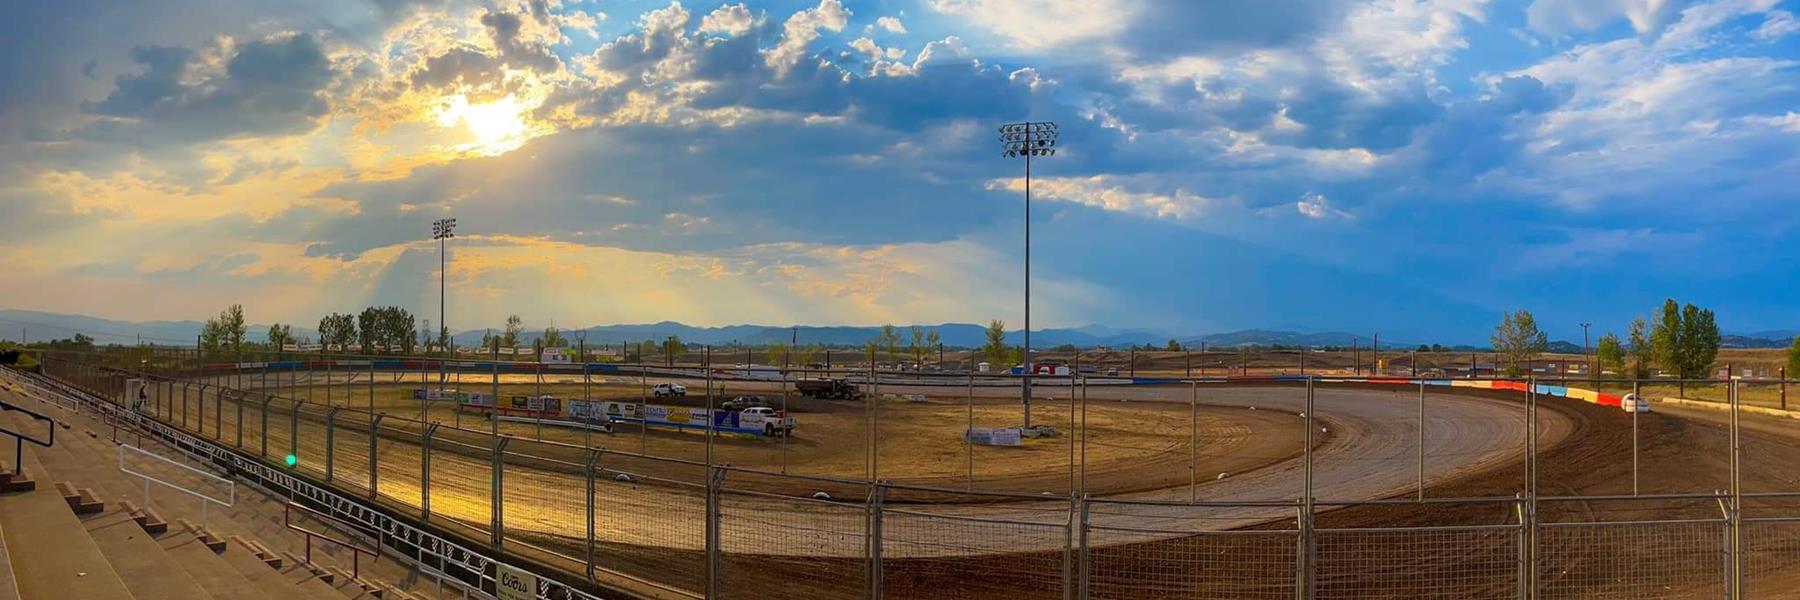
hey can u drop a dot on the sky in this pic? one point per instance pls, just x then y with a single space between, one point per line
1410 167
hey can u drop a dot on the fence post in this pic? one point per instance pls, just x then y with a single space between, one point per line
184 404
1303 553
593 465
715 481
1531 479
1526 566
425 471
293 427
240 419
374 434
872 539
265 426
330 441
1736 521
1068 557
496 507
1085 562
219 412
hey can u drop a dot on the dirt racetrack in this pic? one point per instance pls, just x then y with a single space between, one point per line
1472 451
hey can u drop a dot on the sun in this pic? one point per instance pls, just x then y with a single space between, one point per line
495 127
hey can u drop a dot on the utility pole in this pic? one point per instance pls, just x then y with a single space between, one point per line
1584 350
1375 364
1026 140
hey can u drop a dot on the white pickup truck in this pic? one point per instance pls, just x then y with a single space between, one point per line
772 421
668 389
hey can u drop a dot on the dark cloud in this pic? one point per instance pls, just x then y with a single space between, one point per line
466 66
270 86
1477 135
503 28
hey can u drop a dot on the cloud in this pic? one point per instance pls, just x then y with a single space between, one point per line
802 29
504 29
1558 18
730 19
891 25
1103 192
1318 207
268 86
1777 25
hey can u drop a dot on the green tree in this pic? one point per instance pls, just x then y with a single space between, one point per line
368 329
514 327
995 349
280 336
1611 353
212 336
915 344
645 348
1684 340
1518 339
805 354
933 340
1793 363
889 339
672 347
232 322
553 338
1173 346
1641 351
337 329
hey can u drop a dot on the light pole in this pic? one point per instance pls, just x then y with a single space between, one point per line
1026 140
1584 349
442 231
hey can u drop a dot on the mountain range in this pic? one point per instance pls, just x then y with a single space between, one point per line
41 326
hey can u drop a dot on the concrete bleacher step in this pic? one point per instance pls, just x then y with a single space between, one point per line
248 565
146 518
12 481
269 578
83 501
49 550
149 571
208 568
256 516
212 541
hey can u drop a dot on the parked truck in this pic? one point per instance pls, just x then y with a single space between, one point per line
831 389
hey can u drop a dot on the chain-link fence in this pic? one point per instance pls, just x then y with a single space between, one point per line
665 511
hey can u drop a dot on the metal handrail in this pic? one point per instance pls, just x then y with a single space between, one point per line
205 500
356 552
19 438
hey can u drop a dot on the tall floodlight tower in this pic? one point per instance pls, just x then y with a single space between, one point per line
442 231
1028 140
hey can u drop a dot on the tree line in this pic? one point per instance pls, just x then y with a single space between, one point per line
1680 339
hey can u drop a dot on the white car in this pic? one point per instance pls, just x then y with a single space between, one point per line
1633 403
668 389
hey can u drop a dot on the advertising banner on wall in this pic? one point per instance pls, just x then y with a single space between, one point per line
994 437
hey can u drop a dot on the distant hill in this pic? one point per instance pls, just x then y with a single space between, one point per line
1770 339
40 326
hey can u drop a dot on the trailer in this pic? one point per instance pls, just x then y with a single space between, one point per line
830 389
